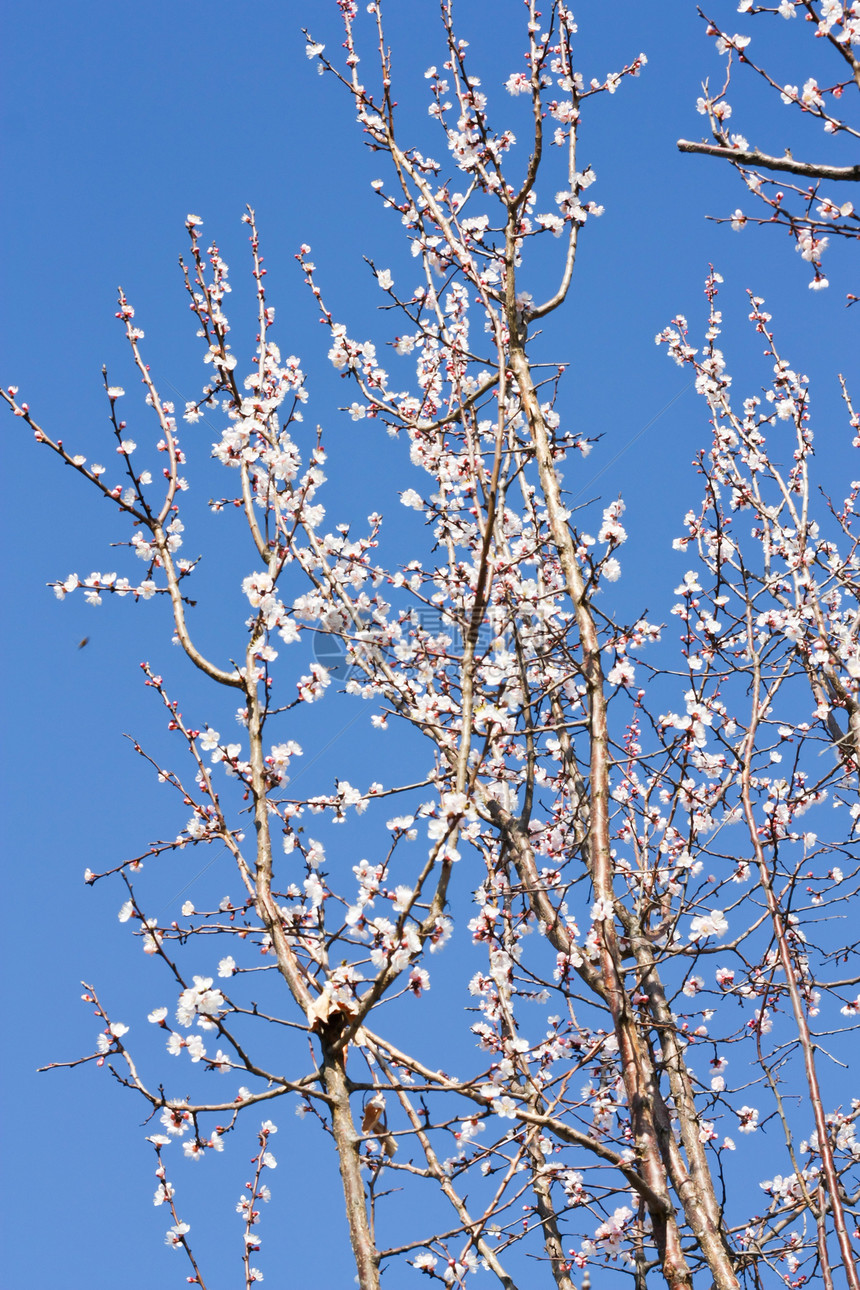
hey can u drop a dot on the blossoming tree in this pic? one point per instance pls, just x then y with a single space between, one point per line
608 816
811 216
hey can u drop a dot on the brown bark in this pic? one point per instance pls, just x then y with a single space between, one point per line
348 1140
761 160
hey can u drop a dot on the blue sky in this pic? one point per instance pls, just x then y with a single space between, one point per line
118 121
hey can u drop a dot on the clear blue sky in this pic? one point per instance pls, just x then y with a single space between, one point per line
119 119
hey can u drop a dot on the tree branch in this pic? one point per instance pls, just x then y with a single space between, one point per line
752 157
